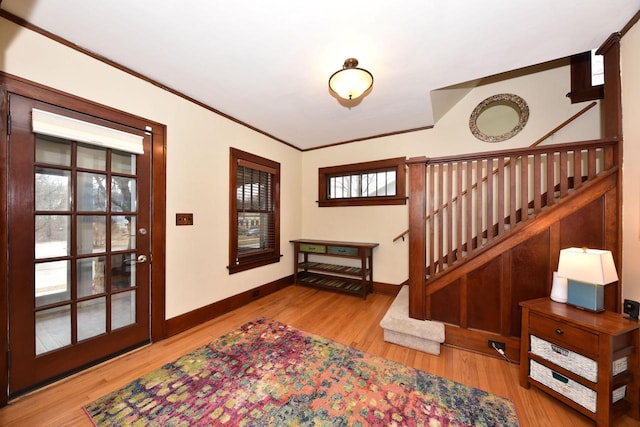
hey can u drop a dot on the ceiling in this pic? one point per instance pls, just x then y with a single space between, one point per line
267 63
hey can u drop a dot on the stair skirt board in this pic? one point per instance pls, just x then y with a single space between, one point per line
399 328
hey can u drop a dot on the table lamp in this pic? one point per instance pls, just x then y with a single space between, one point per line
587 272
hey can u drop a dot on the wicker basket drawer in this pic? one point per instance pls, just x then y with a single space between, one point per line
342 250
317 249
584 396
564 334
571 361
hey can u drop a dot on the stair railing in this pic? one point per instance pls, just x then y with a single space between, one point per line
471 200
535 144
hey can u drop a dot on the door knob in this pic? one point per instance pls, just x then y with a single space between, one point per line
142 258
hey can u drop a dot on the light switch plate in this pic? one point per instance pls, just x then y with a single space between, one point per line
184 219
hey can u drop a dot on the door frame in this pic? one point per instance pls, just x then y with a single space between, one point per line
13 84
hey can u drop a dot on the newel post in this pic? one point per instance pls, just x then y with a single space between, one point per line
417 237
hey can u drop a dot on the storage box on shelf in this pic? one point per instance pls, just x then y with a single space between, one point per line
587 360
310 270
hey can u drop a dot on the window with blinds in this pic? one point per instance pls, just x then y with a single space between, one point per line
254 204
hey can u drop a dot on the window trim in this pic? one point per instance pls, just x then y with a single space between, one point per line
581 88
366 167
242 262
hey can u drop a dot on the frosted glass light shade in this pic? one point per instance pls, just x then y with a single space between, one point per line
350 82
593 266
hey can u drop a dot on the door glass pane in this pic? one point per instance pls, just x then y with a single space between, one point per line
123 163
92 193
123 309
90 276
53 151
53 189
52 236
91 158
123 194
123 271
53 329
92 235
92 318
52 282
123 233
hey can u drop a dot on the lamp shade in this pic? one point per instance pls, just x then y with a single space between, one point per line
593 266
350 82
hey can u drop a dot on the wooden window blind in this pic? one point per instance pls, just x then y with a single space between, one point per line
254 206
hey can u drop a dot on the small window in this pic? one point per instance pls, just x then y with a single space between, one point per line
254 203
587 77
380 182
597 69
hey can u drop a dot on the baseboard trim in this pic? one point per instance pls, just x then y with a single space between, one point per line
386 288
185 321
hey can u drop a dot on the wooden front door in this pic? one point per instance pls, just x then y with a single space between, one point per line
79 246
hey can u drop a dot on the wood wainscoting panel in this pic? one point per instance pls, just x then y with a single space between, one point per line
483 303
530 275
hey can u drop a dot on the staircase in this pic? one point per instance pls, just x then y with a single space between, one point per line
485 233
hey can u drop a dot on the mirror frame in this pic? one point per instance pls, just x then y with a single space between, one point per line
518 104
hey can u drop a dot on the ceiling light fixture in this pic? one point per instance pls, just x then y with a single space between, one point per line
350 82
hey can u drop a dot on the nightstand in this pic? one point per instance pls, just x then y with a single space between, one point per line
587 360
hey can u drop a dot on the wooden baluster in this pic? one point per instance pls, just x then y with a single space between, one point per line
469 207
479 207
551 178
524 188
459 218
501 189
449 203
537 193
591 162
489 180
431 215
440 218
577 168
512 193
564 181
609 158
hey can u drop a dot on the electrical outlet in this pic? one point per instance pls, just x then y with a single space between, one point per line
500 345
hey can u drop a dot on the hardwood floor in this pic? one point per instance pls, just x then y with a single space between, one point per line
343 318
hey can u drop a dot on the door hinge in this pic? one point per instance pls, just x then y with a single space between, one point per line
9 124
8 360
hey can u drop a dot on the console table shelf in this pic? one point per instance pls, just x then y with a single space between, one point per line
357 280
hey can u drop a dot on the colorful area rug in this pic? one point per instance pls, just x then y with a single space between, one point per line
270 374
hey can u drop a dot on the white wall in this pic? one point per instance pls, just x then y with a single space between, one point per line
630 70
198 144
544 92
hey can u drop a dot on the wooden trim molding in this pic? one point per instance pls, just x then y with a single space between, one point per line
4 247
26 24
13 84
581 88
185 321
397 164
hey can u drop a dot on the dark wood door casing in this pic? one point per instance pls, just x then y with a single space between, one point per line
10 84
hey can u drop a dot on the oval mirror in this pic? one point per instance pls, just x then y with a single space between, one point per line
499 117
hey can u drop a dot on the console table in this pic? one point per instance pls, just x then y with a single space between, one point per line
310 269
586 360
